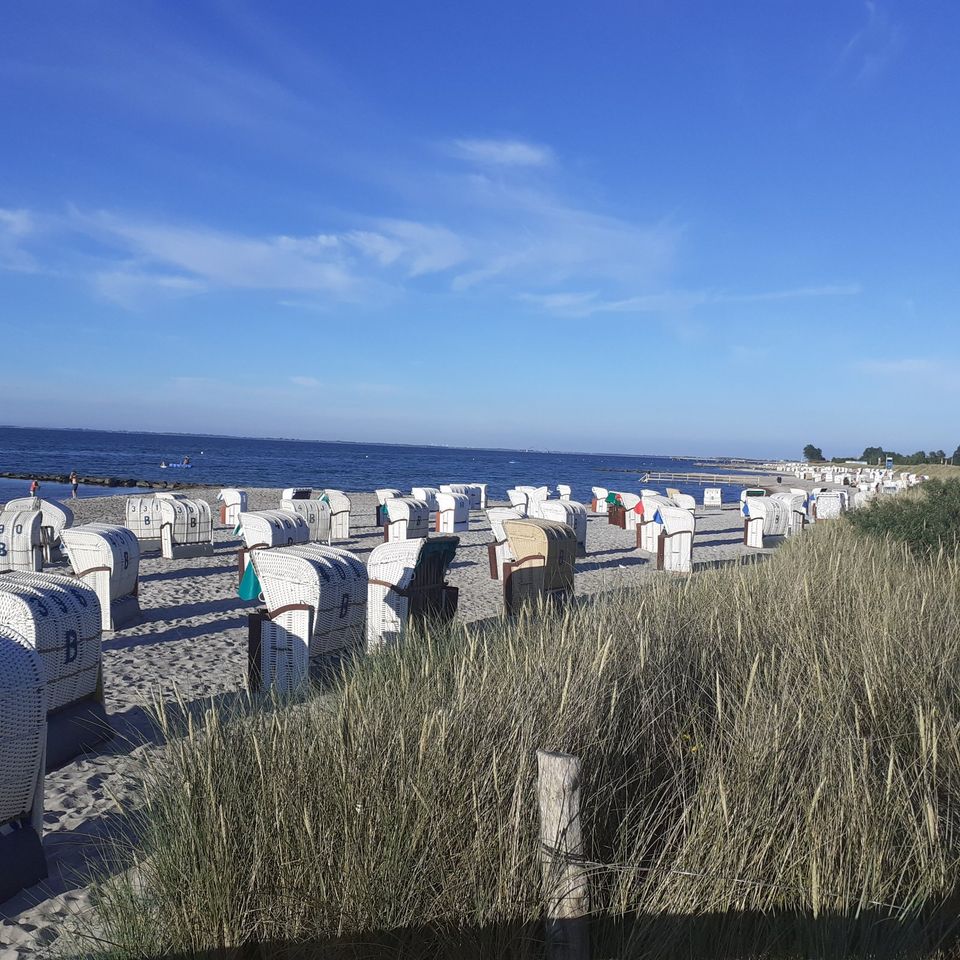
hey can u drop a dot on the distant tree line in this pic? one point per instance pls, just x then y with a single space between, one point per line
874 455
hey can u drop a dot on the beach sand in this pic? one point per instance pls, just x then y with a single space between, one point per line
192 639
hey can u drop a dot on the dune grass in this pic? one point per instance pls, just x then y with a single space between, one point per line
771 768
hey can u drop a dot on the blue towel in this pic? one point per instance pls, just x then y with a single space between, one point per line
249 588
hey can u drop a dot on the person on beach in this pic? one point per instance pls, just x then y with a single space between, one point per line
34 487
74 483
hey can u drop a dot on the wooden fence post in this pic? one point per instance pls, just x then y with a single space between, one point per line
565 885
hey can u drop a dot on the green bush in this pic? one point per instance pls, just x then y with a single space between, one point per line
927 519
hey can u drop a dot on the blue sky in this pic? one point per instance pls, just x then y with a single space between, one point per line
667 227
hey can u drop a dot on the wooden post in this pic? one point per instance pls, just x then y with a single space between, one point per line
565 886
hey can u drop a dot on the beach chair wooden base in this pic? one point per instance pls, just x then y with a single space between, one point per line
617 516
75 729
187 551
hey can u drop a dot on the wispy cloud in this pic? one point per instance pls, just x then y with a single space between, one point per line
576 304
16 226
308 382
873 47
502 153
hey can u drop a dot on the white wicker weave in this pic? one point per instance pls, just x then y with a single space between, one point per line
316 604
58 617
186 529
406 519
564 492
685 501
23 732
315 514
21 543
573 514
632 518
599 503
426 493
796 506
406 578
453 513
106 557
829 505
383 495
232 502
675 547
339 514
764 517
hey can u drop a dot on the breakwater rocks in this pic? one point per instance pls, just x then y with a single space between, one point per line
105 481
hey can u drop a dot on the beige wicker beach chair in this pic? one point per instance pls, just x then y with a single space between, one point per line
573 514
23 744
406 519
316 605
232 502
21 541
186 529
59 617
267 530
543 569
408 585
453 513
106 557
55 517
499 550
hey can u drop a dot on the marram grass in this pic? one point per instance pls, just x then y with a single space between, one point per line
771 768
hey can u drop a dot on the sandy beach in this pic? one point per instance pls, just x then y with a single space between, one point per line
192 639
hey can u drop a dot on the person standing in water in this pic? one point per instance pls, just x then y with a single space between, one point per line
74 483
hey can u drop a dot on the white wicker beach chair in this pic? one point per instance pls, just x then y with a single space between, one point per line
478 496
296 493
232 502
564 492
106 557
499 550
543 569
685 501
518 500
829 504
633 510
453 513
23 744
599 502
765 518
21 541
383 495
796 506
59 617
573 514
406 519
315 514
752 492
266 530
649 527
144 519
407 584
675 543
186 529
316 605
339 514
429 494
55 517
536 497
713 498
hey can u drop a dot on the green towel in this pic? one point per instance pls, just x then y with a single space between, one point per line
249 588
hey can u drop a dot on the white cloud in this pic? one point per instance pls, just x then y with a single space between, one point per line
503 153
420 248
16 226
873 47
310 382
